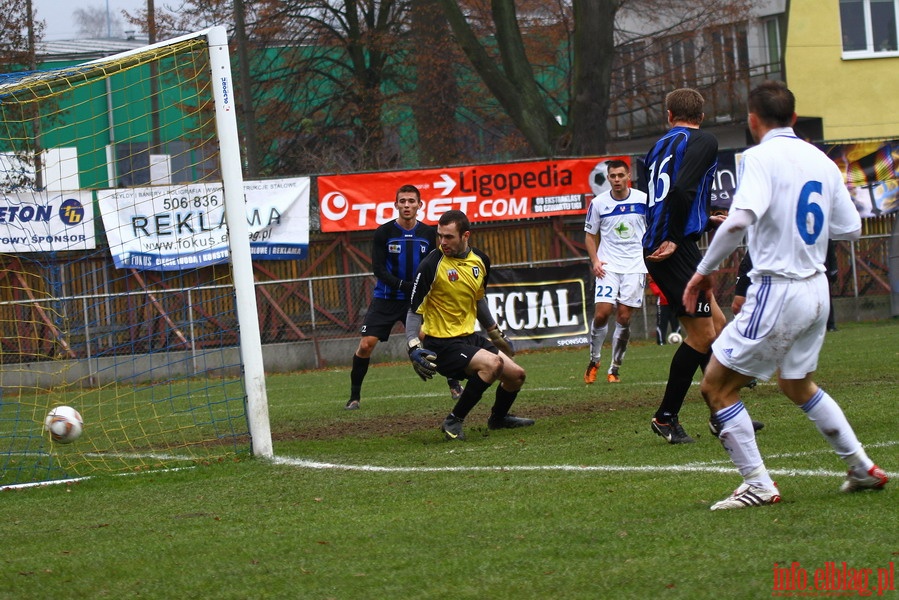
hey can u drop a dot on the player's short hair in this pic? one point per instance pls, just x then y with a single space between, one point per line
773 103
408 189
455 216
686 105
617 163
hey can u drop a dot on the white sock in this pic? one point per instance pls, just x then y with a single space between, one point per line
597 337
828 417
620 337
738 438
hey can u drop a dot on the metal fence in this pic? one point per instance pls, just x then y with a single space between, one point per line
312 310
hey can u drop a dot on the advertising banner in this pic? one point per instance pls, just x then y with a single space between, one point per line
278 216
168 228
725 183
869 170
46 222
485 193
541 307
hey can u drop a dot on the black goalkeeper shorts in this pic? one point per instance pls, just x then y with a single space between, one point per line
454 354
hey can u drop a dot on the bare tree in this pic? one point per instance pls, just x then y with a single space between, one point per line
170 20
19 32
596 31
97 22
507 70
662 45
317 75
354 47
368 84
436 95
322 74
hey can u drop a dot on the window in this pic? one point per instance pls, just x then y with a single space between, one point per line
774 55
869 27
680 61
631 69
742 49
772 36
727 51
883 25
722 53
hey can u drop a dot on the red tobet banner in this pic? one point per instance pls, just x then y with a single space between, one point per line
498 192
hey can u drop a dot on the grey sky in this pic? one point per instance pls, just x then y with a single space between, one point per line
61 24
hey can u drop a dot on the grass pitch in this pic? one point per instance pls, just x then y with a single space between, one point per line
588 503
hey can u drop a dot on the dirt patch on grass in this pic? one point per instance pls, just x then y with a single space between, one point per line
358 424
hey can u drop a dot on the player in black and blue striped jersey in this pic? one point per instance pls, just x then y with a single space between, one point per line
679 172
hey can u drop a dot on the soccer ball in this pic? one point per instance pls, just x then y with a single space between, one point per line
64 424
675 338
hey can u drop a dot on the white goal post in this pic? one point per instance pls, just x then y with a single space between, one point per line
239 241
165 364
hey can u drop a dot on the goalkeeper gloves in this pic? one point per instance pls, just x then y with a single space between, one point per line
422 360
502 343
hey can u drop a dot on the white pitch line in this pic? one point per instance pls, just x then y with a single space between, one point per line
826 451
716 466
19 486
689 468
800 454
694 467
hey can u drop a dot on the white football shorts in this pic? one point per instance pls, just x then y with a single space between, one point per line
780 327
623 288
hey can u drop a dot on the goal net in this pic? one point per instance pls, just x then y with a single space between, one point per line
126 285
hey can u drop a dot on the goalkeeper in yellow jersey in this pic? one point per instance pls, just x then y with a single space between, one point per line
449 295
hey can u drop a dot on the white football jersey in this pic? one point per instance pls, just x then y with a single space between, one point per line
800 201
620 225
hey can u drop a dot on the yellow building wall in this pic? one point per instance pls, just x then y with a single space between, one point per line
856 98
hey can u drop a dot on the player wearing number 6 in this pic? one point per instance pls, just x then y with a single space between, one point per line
679 171
448 296
790 199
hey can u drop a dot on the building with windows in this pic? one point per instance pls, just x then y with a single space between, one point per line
841 60
723 59
837 56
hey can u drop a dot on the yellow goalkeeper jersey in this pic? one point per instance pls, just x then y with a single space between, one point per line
447 290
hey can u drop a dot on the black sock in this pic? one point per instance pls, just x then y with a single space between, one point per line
360 368
504 401
704 361
684 364
474 389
